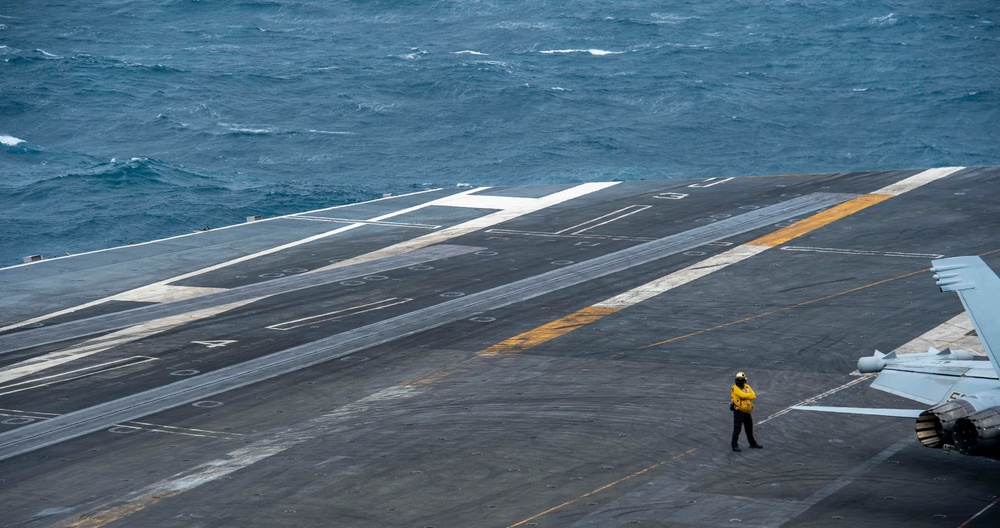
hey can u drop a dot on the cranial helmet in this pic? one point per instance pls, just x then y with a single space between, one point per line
741 376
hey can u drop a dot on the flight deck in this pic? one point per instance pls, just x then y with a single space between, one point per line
550 356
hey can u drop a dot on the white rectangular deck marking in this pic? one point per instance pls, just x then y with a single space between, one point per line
610 217
522 207
708 183
917 180
340 314
478 201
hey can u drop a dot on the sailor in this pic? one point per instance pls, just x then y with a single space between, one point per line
743 397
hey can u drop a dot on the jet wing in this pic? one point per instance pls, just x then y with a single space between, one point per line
979 289
897 413
932 385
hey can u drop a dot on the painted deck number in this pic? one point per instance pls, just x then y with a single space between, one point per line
215 344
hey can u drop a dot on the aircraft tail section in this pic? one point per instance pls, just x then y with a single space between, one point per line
979 289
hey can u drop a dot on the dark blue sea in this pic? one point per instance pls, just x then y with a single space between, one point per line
124 120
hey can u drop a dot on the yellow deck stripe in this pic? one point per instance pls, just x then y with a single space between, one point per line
588 315
554 329
819 220
548 331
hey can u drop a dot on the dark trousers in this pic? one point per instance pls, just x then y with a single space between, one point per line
741 420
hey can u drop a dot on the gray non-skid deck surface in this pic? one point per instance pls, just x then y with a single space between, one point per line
394 418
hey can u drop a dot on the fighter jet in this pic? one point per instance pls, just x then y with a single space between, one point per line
964 391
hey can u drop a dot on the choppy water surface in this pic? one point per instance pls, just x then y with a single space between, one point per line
125 121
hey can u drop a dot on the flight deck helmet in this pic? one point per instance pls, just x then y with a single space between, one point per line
741 376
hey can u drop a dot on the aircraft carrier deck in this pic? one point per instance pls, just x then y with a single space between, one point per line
555 355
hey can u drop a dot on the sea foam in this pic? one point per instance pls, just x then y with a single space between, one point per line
597 52
10 141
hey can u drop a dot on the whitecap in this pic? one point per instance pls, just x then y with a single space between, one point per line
887 20
47 54
597 52
332 132
859 89
10 141
524 25
469 52
670 18
416 53
246 129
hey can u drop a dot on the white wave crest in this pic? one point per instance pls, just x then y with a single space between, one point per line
332 132
887 20
246 129
469 52
670 18
597 52
416 54
10 141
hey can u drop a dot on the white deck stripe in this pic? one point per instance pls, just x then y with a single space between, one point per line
100 344
917 180
681 277
270 445
740 253
951 331
162 292
523 207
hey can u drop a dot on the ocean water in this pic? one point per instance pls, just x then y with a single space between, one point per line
124 121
